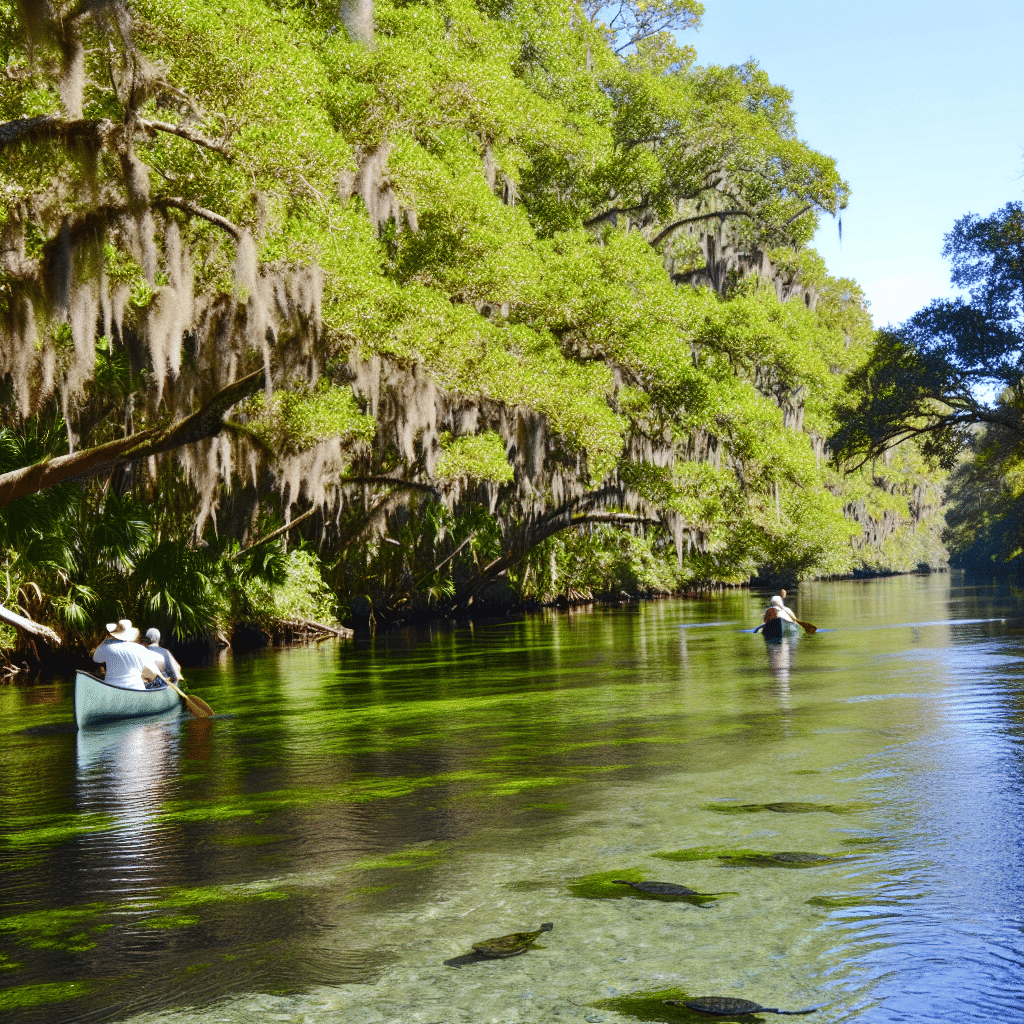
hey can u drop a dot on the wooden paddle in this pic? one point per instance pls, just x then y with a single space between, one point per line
808 626
196 705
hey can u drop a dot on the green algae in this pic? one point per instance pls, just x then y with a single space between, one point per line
411 857
753 858
651 1006
601 886
786 807
25 996
50 830
207 895
70 929
168 922
840 902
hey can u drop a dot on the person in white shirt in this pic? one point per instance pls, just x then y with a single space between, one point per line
128 663
171 666
778 609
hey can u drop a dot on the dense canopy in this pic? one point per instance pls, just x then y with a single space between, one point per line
497 301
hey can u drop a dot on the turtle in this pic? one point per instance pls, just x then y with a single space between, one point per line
724 1006
657 888
509 945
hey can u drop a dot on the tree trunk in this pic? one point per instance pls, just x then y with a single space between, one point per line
357 17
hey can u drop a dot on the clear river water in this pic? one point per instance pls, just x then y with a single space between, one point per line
328 849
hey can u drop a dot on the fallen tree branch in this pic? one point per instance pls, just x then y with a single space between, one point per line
21 622
341 631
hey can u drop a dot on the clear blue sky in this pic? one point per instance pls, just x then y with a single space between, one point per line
921 103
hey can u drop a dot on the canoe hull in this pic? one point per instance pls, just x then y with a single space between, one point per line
776 629
97 701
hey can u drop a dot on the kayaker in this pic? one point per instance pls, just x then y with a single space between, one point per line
171 666
778 609
128 663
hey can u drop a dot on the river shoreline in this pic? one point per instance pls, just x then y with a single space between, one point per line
47 662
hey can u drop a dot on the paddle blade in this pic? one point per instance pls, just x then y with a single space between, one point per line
198 706
809 627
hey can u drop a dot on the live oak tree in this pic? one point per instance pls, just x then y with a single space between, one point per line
952 376
957 363
436 309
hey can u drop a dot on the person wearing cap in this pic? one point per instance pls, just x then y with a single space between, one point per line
171 666
127 662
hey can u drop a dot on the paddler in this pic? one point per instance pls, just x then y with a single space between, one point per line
171 666
127 662
777 610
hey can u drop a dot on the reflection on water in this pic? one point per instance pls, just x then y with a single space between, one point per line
369 812
780 659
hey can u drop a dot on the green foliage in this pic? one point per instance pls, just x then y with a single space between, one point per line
496 199
477 457
299 419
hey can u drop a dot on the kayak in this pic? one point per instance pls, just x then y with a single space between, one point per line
99 701
777 628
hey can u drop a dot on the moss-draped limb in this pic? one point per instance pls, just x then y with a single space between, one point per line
204 423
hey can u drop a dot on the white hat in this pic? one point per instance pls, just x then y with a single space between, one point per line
153 635
122 630
777 602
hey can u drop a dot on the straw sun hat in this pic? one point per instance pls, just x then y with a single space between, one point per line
122 630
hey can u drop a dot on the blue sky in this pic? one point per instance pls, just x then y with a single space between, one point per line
920 103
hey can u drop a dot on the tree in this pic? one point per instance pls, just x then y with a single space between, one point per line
956 363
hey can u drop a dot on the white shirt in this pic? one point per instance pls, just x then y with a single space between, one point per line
128 664
171 667
784 613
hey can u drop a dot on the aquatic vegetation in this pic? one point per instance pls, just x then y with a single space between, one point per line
652 1006
212 894
168 922
786 807
752 858
35 831
73 929
603 885
24 996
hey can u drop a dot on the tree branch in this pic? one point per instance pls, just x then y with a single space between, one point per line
720 214
195 210
13 619
205 422
186 133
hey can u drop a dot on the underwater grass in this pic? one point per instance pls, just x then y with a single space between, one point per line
786 807
69 929
31 831
601 886
25 996
651 1006
170 921
753 858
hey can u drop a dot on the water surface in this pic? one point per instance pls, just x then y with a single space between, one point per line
358 815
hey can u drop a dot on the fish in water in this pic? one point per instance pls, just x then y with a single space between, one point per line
658 888
509 945
729 1006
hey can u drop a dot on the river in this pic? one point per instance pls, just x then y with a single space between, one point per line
329 847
